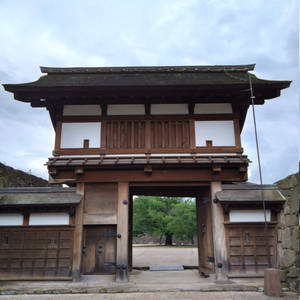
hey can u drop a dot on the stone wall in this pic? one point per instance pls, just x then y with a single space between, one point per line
288 233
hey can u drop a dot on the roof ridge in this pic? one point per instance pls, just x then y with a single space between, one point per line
150 69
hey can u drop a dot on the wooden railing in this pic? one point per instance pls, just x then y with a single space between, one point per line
124 134
166 134
146 134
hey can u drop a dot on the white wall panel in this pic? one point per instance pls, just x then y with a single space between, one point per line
213 108
82 110
73 134
11 219
169 109
249 215
125 109
221 133
49 219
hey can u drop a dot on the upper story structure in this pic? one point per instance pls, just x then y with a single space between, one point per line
137 113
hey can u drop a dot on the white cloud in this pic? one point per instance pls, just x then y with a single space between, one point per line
73 33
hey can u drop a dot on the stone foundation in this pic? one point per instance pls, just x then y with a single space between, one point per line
288 233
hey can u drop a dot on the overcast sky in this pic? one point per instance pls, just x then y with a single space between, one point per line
140 32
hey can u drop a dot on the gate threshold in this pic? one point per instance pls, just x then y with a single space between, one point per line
166 268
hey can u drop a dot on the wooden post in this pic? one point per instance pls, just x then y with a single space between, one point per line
122 232
130 222
219 238
199 235
78 235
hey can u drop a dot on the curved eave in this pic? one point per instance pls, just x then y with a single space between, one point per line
30 93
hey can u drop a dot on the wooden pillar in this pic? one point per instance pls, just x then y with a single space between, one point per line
122 231
199 235
219 238
78 235
130 222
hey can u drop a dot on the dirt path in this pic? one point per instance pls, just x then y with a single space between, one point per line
163 256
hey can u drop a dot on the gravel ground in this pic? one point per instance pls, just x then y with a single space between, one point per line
154 296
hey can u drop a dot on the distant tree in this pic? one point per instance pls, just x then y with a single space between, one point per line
153 215
160 211
183 223
142 222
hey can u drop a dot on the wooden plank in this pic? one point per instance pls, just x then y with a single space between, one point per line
99 219
57 253
111 149
78 235
29 278
101 198
147 135
220 252
122 229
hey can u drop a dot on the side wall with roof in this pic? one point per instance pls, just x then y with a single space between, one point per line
288 233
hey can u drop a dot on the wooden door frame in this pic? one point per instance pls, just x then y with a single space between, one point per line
178 186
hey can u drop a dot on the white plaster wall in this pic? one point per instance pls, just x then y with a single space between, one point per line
213 108
11 219
169 109
125 109
82 110
49 219
73 134
249 215
220 132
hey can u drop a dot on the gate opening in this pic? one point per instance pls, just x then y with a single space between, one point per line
170 225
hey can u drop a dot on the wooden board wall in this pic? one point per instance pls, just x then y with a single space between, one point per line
246 247
100 206
101 198
36 252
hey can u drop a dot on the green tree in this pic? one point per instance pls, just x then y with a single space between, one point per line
183 223
153 215
160 211
142 223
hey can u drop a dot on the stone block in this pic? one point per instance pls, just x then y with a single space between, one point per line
293 204
295 239
288 258
291 220
282 275
293 272
281 219
272 283
286 238
279 235
293 284
286 210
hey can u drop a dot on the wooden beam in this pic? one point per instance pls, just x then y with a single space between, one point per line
157 175
219 238
122 231
78 235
